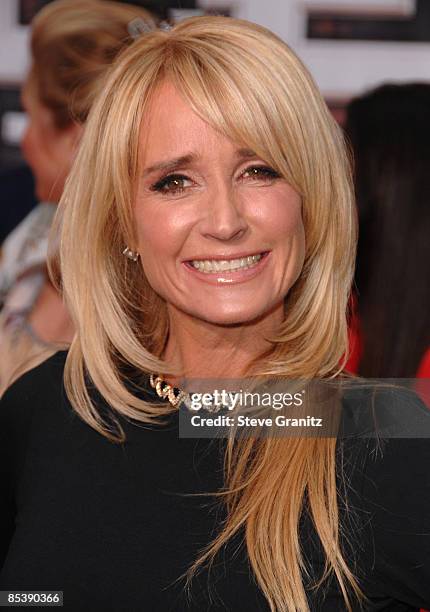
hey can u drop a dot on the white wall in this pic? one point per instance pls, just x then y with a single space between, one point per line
340 68
13 43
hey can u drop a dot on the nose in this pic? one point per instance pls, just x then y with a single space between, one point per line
224 219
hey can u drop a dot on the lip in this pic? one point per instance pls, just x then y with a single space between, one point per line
224 278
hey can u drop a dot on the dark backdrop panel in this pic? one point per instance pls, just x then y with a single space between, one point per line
28 8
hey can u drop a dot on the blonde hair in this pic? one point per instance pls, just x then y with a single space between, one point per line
246 83
72 43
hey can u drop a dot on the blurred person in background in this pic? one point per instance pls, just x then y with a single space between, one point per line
72 44
389 130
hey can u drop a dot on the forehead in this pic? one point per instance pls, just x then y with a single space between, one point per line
170 127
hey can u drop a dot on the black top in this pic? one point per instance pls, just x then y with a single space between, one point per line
108 523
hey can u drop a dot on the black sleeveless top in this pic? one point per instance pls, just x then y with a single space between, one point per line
113 527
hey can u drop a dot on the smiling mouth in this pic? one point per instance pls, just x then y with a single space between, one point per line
214 266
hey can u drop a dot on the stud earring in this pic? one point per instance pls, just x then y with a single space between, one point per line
133 255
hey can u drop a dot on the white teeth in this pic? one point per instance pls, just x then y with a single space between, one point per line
209 266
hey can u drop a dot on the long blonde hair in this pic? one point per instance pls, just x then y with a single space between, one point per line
246 83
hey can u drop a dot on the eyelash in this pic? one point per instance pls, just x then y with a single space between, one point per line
265 173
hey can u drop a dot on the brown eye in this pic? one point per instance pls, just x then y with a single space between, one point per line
260 172
172 184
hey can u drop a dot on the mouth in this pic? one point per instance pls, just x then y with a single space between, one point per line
238 264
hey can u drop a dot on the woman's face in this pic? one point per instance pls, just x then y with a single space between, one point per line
48 150
220 233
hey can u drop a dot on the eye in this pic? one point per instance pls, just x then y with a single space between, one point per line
172 184
264 173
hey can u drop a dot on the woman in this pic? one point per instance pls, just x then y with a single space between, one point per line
72 44
207 230
389 129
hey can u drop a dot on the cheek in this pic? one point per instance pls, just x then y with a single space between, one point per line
152 248
37 152
162 228
160 237
285 225
27 145
33 152
282 218
289 224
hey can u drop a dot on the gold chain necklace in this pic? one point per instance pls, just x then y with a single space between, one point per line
165 391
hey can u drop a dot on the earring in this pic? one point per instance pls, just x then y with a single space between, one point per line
133 255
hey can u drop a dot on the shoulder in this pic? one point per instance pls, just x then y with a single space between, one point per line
30 402
387 441
20 233
386 465
372 409
26 245
389 447
31 383
38 388
37 405
398 456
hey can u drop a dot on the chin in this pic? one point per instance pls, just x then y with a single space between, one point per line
229 317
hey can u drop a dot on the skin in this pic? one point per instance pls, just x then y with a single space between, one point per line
49 152
227 203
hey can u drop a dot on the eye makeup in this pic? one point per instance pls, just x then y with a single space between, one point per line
173 184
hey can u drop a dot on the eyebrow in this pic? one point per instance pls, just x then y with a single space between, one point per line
172 164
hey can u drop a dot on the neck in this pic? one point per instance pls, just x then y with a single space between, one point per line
199 349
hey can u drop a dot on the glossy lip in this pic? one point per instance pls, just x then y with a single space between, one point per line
229 278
